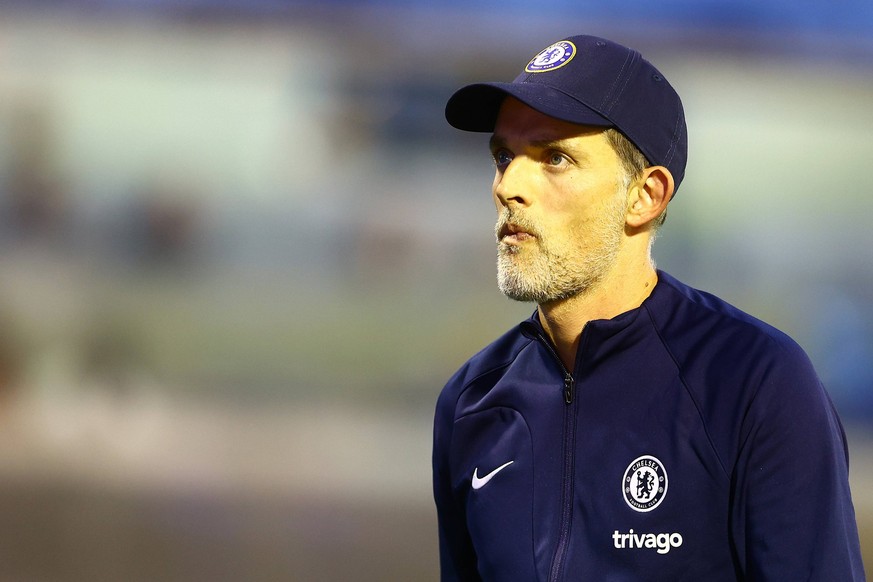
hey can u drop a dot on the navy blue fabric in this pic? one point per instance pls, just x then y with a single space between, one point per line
754 454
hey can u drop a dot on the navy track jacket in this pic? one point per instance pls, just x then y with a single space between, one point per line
692 442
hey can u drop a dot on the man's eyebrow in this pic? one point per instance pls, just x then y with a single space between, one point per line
549 144
496 142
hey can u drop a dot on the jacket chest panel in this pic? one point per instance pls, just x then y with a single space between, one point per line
642 479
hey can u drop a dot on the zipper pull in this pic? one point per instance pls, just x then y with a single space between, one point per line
568 388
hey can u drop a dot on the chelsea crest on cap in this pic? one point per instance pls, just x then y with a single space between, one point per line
590 81
552 57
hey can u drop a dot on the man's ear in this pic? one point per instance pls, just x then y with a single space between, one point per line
649 196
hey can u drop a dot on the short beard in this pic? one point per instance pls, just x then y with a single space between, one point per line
544 274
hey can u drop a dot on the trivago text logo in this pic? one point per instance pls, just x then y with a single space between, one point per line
662 542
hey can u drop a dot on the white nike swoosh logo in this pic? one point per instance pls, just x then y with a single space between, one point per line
479 483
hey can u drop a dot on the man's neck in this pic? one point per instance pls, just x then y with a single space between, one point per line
564 320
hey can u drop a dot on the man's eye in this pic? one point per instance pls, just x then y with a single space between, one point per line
502 157
556 159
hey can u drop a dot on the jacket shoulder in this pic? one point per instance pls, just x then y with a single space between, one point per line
700 329
485 366
740 372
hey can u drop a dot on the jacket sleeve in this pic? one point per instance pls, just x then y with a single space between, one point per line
792 516
457 556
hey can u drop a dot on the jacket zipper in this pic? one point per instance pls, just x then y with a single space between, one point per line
569 465
569 382
567 480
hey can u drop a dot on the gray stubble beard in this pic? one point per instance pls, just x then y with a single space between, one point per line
543 276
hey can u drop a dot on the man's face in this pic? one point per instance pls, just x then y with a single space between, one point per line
561 199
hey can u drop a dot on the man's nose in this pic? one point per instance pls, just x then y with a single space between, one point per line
513 184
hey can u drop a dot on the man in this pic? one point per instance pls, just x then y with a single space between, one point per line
633 428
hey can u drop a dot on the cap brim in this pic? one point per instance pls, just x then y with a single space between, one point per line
475 107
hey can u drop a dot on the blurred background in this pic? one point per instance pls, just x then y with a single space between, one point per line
242 252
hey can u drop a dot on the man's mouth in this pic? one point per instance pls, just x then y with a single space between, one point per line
513 234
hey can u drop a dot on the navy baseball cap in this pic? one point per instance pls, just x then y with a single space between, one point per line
589 81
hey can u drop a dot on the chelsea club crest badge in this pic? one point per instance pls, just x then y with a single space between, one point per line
644 483
552 57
